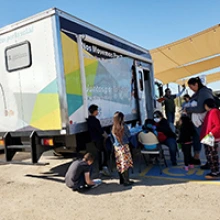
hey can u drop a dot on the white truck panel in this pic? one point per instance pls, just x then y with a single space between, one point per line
29 91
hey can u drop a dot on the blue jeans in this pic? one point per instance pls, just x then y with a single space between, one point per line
170 117
171 144
197 146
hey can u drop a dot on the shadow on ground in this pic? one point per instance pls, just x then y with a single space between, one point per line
110 184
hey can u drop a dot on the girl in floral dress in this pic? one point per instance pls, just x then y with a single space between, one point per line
123 157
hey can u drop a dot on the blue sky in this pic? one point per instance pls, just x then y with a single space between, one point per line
148 23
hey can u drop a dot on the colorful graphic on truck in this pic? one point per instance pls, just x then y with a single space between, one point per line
108 80
108 74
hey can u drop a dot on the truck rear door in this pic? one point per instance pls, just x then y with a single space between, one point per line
145 93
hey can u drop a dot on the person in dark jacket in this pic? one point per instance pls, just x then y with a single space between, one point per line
170 107
166 135
201 93
185 139
98 136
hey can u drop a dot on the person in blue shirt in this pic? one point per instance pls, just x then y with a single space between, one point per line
170 106
121 134
186 102
148 136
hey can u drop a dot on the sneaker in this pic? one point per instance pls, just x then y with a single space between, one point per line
82 189
205 167
213 176
191 166
105 171
186 168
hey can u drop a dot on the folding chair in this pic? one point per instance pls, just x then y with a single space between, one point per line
158 152
166 151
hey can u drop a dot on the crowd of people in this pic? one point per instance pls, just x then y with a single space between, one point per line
199 125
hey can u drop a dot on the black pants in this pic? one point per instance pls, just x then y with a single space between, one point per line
102 153
81 183
186 148
212 157
82 186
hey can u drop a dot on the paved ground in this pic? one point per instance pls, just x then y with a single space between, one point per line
38 192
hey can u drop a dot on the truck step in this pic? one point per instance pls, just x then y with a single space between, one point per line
25 144
28 144
19 146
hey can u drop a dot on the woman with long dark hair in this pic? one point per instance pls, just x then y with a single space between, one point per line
201 93
123 157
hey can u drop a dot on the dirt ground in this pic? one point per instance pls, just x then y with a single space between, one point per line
39 192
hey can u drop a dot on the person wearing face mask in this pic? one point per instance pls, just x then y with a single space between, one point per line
166 135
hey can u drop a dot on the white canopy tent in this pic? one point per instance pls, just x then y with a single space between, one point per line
189 56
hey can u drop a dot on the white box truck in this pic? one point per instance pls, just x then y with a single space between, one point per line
52 67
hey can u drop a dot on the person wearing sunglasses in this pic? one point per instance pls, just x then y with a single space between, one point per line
166 135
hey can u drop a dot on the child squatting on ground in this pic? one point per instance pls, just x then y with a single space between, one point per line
211 127
185 139
78 174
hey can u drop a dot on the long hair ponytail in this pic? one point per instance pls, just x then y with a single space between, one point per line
194 80
118 126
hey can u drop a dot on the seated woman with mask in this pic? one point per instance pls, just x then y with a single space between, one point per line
166 135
